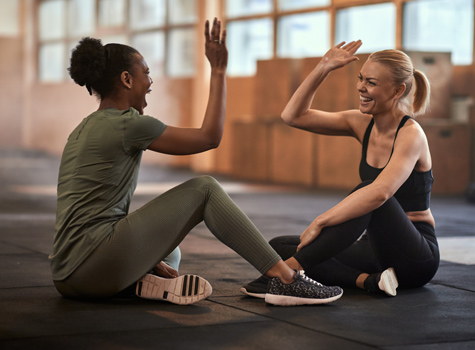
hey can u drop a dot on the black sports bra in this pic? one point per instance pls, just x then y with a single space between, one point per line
414 193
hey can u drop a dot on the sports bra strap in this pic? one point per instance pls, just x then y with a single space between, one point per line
368 132
366 138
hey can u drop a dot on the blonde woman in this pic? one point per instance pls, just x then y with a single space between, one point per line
382 235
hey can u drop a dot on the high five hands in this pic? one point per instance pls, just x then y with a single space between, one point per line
341 54
215 46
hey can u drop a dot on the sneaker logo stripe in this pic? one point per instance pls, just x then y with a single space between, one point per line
190 286
197 284
185 284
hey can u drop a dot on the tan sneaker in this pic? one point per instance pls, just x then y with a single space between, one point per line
183 290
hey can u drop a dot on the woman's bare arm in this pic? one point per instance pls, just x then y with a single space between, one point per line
409 146
182 141
298 114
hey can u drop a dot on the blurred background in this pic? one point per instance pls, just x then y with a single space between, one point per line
273 45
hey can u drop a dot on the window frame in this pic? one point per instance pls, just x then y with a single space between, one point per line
126 30
99 31
332 8
275 15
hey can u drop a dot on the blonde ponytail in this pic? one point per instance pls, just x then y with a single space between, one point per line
421 99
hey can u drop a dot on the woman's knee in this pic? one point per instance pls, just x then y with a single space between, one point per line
275 242
361 185
207 184
285 246
278 241
206 181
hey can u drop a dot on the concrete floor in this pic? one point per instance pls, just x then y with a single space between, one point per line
34 316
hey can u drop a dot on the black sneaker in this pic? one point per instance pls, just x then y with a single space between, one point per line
303 291
257 288
183 290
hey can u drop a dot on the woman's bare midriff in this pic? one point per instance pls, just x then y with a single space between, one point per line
424 216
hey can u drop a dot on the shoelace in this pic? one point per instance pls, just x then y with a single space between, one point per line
308 279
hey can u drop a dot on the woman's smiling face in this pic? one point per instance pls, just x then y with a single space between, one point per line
141 84
376 88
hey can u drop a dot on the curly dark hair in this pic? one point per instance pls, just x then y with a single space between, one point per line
98 67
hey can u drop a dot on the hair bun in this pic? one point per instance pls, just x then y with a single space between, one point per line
88 62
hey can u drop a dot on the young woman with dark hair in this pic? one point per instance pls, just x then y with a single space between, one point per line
100 249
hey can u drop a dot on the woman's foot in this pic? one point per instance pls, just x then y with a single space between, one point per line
183 290
302 291
385 282
257 288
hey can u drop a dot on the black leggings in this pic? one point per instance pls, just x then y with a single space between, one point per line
341 253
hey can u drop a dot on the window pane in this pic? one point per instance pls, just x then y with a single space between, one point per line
51 19
181 53
379 34
301 4
111 13
249 41
182 11
152 47
82 16
147 13
445 25
304 35
9 18
236 8
51 67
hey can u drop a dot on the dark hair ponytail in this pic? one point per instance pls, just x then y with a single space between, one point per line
99 67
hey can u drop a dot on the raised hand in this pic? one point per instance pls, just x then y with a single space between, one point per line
341 54
215 46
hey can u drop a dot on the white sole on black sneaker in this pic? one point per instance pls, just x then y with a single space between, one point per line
388 282
285 300
183 290
255 295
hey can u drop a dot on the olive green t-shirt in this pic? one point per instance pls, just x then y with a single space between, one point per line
97 177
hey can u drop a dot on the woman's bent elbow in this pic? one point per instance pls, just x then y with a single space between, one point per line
378 194
214 144
287 118
382 197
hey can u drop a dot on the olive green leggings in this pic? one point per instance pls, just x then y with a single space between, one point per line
152 233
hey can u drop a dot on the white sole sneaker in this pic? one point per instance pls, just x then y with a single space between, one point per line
183 290
388 282
285 300
255 295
